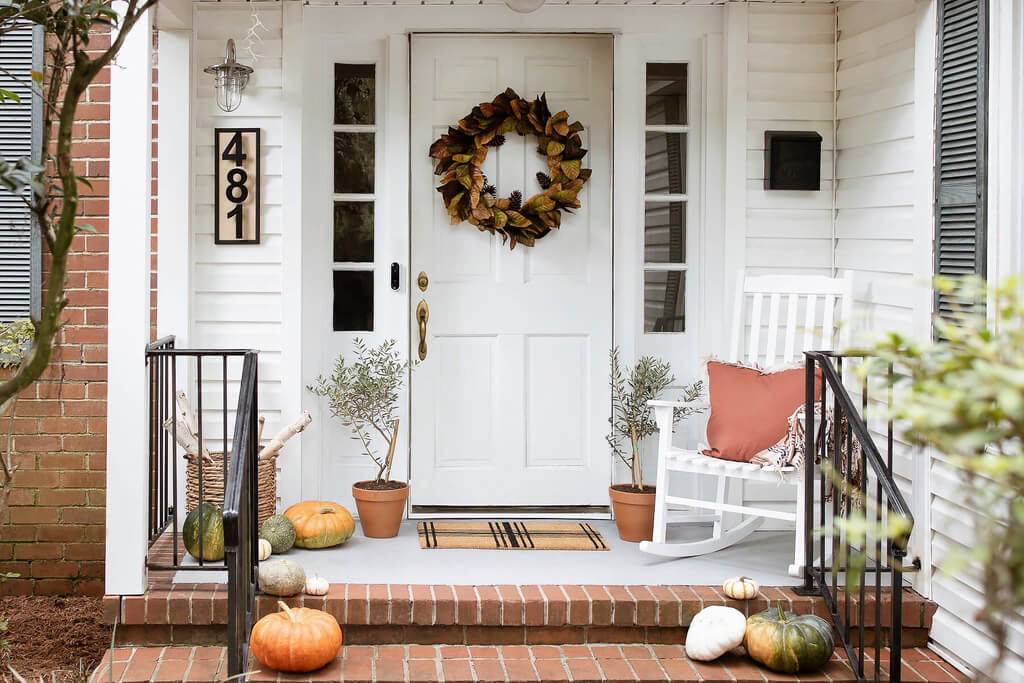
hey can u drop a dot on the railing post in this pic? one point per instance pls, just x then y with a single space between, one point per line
809 445
896 624
240 519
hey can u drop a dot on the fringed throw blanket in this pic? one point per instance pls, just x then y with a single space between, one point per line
790 451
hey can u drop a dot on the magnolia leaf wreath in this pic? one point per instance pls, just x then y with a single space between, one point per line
465 190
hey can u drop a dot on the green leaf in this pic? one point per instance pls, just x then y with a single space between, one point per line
517 220
453 205
542 203
571 169
500 218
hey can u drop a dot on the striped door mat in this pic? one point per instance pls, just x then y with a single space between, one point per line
510 535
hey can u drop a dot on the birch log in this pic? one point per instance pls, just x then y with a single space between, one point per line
391 451
185 438
282 436
185 412
186 432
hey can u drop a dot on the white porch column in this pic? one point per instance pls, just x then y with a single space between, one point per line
1005 140
174 201
128 304
734 230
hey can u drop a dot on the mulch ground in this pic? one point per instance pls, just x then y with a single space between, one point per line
53 634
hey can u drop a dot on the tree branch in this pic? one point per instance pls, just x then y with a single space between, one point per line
83 71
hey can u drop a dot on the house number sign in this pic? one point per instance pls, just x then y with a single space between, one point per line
237 186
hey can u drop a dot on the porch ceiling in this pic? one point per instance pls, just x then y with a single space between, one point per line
579 3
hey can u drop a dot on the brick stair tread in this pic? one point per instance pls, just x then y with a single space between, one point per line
513 664
508 606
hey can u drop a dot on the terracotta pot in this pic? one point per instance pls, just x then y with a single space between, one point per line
380 512
634 513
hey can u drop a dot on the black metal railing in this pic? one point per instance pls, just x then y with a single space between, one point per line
839 565
162 376
240 520
205 377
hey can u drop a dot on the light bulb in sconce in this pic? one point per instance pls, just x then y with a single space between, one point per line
230 79
524 6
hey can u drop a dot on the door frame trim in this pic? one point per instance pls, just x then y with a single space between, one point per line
526 511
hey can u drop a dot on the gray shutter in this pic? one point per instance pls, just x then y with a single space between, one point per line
961 135
20 136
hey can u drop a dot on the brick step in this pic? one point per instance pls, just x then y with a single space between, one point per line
196 614
515 664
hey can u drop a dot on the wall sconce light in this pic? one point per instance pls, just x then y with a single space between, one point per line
524 6
230 77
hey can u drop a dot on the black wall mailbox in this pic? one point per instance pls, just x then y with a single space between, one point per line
792 160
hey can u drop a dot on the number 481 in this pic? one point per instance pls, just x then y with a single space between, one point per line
236 191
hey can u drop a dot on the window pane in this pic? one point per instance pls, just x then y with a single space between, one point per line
666 94
353 231
353 163
353 301
664 301
666 163
353 93
665 232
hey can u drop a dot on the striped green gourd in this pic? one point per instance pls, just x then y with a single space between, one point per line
207 520
788 643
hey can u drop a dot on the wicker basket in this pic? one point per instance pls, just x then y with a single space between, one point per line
213 483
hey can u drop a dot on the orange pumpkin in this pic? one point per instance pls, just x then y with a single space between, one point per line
295 639
320 524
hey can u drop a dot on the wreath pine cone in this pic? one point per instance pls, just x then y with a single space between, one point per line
462 150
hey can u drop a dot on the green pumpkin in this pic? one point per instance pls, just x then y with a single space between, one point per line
788 643
211 521
280 531
281 577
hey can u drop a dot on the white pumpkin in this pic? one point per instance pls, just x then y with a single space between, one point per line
265 549
714 631
740 588
316 585
283 578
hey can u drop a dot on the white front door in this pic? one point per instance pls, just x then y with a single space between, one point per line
510 405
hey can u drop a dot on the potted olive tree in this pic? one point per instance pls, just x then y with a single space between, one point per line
632 421
363 395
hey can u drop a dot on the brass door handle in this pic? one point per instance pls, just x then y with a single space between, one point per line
422 315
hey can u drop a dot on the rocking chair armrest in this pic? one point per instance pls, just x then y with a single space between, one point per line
678 404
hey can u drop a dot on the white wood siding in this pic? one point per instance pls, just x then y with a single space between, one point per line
236 289
790 58
875 227
790 63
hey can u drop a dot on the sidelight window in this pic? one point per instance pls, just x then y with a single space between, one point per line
353 197
666 130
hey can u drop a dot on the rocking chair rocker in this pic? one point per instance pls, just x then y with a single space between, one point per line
818 299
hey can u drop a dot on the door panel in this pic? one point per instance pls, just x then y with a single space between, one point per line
510 405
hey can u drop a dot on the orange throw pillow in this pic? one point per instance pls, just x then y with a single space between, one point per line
750 408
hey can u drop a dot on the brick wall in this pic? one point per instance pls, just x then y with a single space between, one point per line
53 535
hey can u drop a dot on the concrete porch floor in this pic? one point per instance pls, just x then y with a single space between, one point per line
763 556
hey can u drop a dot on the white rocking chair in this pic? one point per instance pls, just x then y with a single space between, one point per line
821 303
